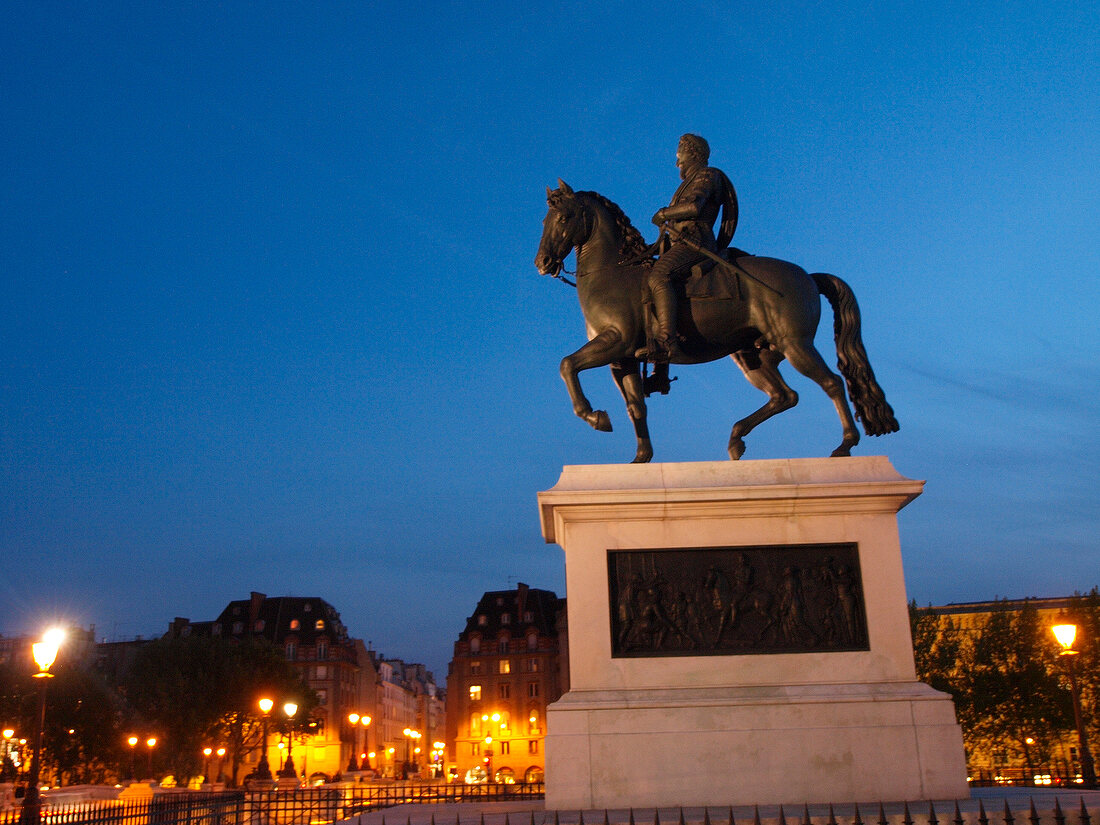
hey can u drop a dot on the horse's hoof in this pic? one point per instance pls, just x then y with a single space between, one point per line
736 448
599 421
643 455
842 452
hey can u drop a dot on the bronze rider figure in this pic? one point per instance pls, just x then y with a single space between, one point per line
689 223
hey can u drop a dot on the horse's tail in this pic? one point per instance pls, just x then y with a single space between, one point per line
867 396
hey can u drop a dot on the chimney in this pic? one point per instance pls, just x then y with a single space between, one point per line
254 604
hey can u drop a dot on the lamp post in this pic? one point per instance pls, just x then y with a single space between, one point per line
132 742
1065 634
263 769
45 653
357 720
489 758
290 708
7 765
207 752
410 736
221 763
151 743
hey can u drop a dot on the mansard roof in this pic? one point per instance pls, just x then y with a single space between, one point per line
505 610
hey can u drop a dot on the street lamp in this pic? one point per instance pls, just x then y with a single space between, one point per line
263 769
356 720
151 743
207 752
489 757
7 764
1065 634
410 736
221 762
132 742
45 653
290 708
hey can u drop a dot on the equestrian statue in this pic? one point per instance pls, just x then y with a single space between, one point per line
700 301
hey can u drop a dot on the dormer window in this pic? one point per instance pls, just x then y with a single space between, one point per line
307 607
505 618
482 620
295 624
319 624
259 626
528 616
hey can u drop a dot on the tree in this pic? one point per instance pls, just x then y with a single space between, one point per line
195 690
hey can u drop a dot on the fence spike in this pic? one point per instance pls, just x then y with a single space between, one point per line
782 816
606 821
806 814
1059 817
832 816
532 818
932 815
556 818
1008 817
656 817
1085 819
1033 815
580 818
457 822
756 815
855 819
882 820
731 822
433 817
506 822
958 815
706 816
982 818
681 815
409 820
631 822
907 819
483 818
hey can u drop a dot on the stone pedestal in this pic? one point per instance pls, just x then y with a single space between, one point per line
739 634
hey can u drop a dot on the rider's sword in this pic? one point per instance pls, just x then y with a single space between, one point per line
717 258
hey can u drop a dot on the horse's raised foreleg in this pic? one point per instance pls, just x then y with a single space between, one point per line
628 378
598 352
805 358
766 378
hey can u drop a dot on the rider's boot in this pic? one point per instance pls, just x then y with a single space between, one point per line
667 343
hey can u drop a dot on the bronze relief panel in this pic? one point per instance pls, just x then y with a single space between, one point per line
736 600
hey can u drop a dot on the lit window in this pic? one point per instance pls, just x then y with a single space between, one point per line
533 722
532 665
505 666
475 724
483 620
319 624
475 749
475 693
295 624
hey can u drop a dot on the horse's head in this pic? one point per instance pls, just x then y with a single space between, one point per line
563 228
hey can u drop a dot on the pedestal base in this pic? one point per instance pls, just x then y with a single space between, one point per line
799 684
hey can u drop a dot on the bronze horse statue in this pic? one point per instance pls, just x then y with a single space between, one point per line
774 316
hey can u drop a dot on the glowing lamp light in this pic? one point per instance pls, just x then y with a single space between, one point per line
290 708
8 733
1065 634
353 718
266 705
45 652
132 741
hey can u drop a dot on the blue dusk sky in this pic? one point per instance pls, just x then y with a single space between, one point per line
269 317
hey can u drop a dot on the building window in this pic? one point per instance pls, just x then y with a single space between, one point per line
322 650
475 693
532 665
238 627
533 746
322 697
528 616
532 641
482 620
295 624
505 691
291 651
259 626
500 601
475 644
505 747
475 749
532 689
307 607
475 725
319 624
505 618
504 666
475 668
216 630
320 672
533 722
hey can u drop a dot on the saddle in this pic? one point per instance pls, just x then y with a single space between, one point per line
708 281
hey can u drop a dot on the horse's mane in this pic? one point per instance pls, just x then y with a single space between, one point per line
632 240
